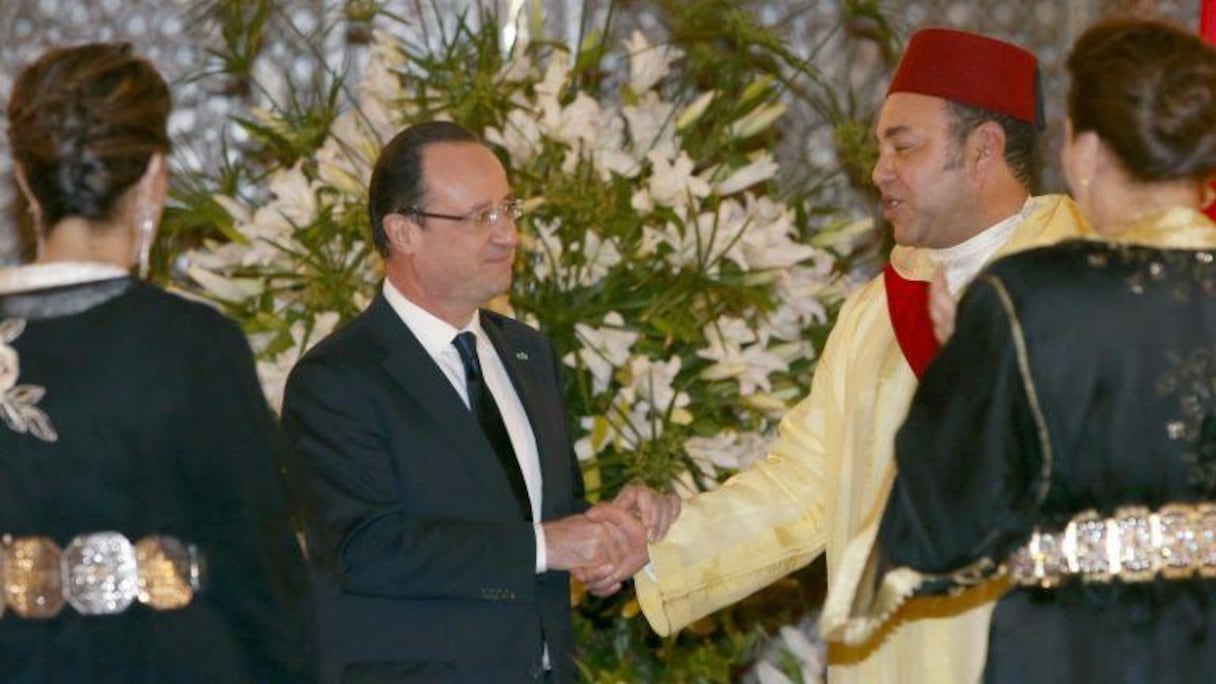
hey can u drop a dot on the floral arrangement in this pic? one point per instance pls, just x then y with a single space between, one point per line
655 253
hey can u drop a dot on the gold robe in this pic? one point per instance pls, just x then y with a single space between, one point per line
825 476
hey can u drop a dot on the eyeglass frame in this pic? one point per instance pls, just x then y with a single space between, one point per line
513 208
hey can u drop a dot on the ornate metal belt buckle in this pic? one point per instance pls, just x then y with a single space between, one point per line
1204 518
1137 544
100 574
32 586
1020 566
1180 528
1040 562
169 572
1090 547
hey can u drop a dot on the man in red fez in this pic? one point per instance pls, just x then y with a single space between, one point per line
957 162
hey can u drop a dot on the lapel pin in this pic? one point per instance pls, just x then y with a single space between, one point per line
521 355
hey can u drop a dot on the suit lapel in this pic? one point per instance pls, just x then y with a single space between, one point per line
415 373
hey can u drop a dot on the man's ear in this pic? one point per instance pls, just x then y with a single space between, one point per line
401 231
988 151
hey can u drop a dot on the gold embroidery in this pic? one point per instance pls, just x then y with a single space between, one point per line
18 403
1032 396
1192 380
1186 273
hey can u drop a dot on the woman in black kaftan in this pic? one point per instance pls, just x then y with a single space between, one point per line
1066 434
145 533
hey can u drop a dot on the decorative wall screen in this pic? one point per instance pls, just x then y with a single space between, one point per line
176 36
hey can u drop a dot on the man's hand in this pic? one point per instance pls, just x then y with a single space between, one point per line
603 547
656 510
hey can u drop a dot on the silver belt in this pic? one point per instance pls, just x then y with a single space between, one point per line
97 574
1137 544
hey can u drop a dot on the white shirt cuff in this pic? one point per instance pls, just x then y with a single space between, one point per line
542 559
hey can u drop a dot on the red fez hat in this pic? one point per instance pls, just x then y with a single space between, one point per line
971 70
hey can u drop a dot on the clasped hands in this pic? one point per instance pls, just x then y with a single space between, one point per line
606 545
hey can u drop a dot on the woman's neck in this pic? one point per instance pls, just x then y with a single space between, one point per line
75 239
1126 205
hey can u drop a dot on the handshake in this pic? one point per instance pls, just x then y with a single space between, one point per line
606 545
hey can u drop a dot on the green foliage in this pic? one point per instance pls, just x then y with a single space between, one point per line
685 292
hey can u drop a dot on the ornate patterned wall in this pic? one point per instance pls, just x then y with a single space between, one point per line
178 35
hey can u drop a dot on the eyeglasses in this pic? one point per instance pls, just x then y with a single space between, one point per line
488 217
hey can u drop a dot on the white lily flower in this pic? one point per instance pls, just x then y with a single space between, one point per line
767 402
712 238
519 67
641 202
651 381
556 75
651 129
226 289
728 450
672 183
740 353
605 348
801 293
579 125
693 111
520 136
548 250
648 64
346 182
769 242
757 120
597 436
720 450
607 148
843 238
212 256
296 195
759 170
727 335
238 212
758 86
633 424
600 256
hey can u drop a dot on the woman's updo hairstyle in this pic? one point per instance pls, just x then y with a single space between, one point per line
1148 89
83 123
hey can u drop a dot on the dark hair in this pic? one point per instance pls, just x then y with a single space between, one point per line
1148 89
83 124
397 181
1021 139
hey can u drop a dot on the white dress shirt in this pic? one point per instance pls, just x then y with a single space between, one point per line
962 262
436 337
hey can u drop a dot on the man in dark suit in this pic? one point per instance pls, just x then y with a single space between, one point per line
442 502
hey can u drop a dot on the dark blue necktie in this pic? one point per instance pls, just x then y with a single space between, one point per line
481 402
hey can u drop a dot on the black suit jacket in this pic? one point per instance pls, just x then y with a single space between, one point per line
424 568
